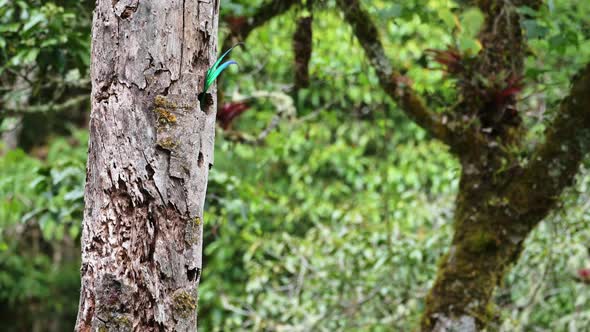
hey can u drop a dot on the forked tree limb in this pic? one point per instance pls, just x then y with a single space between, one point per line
491 223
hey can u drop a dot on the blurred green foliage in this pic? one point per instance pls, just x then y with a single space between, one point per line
337 220
44 34
40 214
44 63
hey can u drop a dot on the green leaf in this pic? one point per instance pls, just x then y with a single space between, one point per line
528 11
31 56
50 42
448 17
471 21
468 45
534 73
10 27
75 194
533 29
33 21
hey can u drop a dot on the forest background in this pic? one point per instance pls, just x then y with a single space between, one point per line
327 209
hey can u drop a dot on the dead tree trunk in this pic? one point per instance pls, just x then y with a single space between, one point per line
151 147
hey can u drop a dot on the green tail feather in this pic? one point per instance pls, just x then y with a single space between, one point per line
215 71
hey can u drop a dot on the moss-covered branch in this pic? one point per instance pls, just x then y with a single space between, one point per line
394 83
555 163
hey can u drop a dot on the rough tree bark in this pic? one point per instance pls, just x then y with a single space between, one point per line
151 147
501 197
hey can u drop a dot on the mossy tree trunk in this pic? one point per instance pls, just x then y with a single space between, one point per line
505 190
487 241
150 150
500 202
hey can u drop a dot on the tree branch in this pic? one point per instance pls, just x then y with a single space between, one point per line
266 12
303 47
50 107
394 83
242 27
555 163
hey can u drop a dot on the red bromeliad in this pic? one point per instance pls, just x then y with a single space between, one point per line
514 85
504 97
449 58
230 111
584 275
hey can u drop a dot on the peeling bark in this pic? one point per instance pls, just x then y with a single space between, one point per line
150 150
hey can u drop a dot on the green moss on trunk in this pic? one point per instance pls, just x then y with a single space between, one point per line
488 240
